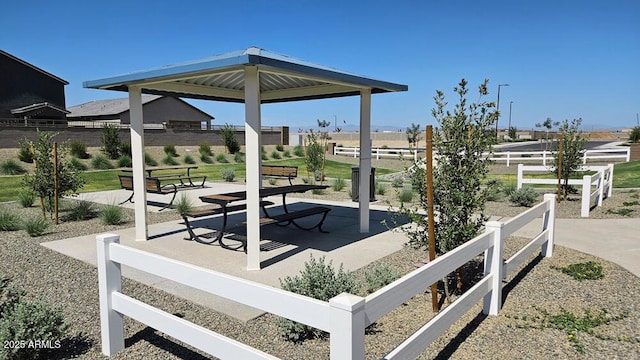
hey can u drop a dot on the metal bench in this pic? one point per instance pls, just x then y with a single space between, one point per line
284 171
152 185
289 217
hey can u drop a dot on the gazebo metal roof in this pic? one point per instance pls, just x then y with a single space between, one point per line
221 77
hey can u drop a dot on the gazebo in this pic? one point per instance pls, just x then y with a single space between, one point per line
253 76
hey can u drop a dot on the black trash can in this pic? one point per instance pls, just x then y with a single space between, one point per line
355 183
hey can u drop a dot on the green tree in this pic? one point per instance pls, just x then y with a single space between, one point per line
573 142
547 125
462 163
110 141
313 154
413 134
41 182
634 137
513 133
228 133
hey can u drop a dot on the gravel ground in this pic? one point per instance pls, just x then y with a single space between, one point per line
531 290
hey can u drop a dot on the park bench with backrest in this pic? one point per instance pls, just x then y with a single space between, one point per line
152 185
282 171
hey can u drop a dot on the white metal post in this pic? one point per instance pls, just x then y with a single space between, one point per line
586 196
109 282
252 141
365 158
346 321
137 162
494 265
549 223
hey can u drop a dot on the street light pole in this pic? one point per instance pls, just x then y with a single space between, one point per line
498 108
509 129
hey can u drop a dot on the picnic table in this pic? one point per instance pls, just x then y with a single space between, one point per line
188 168
225 200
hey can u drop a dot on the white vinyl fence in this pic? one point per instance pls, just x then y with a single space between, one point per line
345 316
623 154
377 152
595 188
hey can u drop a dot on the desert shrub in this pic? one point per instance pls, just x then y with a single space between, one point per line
26 197
589 270
238 158
379 276
23 321
78 149
634 136
397 182
36 226
125 149
206 158
264 156
273 182
525 196
405 195
188 159
279 147
338 184
221 158
81 210
75 163
100 162
169 160
381 188
275 155
494 189
298 150
228 133
112 215
205 148
170 150
228 175
125 161
509 189
9 221
110 141
149 160
286 154
318 280
25 154
183 204
11 167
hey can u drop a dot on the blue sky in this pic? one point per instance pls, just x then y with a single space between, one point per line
562 59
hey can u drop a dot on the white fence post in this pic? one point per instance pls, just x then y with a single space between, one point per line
600 187
549 223
628 154
584 157
586 196
493 264
610 178
508 157
544 158
109 281
346 322
520 175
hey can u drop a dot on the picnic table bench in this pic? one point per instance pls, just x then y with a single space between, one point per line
284 171
152 185
177 176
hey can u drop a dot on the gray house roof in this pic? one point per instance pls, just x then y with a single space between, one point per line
38 106
112 107
221 77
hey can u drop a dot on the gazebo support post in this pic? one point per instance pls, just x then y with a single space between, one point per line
365 158
137 162
252 141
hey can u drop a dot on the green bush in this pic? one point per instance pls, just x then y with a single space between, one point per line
275 155
379 276
525 196
273 182
183 204
26 197
81 210
405 195
589 270
75 163
170 150
319 281
509 189
279 147
338 184
100 162
9 221
125 149
78 149
169 160
494 189
634 137
112 215
149 160
221 158
205 149
110 141
397 182
238 158
228 175
228 133
286 154
381 188
36 226
25 154
206 158
264 157
24 321
188 159
298 150
125 161
11 167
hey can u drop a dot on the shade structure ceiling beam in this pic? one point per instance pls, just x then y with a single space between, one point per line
185 88
304 92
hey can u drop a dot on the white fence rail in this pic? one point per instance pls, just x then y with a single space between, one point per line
544 156
377 152
345 316
602 180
